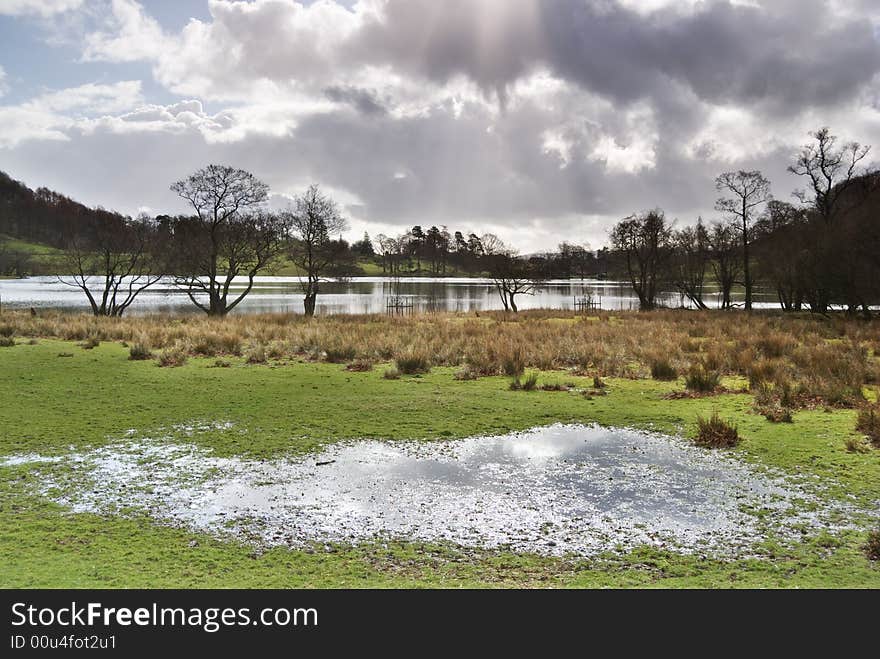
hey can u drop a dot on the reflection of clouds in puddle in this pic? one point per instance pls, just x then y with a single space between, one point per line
560 489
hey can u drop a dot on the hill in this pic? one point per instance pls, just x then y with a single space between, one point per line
43 216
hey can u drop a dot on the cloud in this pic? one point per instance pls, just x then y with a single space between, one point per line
129 35
92 98
38 7
52 114
3 86
539 119
363 100
776 53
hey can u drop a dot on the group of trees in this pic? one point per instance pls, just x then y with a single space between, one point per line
438 252
820 252
434 251
232 235
229 235
487 255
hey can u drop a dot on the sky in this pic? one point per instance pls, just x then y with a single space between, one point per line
538 120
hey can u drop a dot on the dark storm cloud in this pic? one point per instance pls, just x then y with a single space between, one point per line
781 52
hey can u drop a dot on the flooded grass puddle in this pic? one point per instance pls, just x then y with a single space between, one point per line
563 489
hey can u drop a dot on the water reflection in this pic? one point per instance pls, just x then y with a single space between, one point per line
360 295
559 489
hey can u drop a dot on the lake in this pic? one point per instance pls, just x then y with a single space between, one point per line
359 295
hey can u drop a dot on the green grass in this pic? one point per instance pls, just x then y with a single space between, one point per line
34 249
44 259
372 268
52 403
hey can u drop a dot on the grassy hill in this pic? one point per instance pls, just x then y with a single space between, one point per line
47 260
40 259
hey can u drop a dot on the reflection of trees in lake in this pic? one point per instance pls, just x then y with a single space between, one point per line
282 295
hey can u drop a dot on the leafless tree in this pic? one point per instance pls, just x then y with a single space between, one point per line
510 274
748 191
645 243
832 172
691 246
314 220
113 263
725 259
229 236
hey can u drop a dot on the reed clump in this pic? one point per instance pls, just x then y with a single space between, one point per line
868 423
715 432
171 357
413 362
702 380
360 366
872 546
662 370
256 354
139 351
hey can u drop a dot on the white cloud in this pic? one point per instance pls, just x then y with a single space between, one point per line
130 35
51 115
38 7
18 125
92 98
3 86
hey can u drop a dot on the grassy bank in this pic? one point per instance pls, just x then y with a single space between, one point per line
41 259
62 394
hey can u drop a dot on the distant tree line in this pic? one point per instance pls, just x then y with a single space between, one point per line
438 252
820 252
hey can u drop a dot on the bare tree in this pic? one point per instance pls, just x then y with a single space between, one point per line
113 263
644 241
229 236
314 220
725 259
748 191
832 172
510 274
691 248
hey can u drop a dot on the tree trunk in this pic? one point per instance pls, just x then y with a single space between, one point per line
747 272
309 303
502 292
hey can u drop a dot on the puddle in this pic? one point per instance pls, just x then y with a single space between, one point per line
556 490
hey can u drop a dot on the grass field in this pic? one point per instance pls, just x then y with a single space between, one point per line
58 396
43 259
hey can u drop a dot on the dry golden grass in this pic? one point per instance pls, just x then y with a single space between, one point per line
809 360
